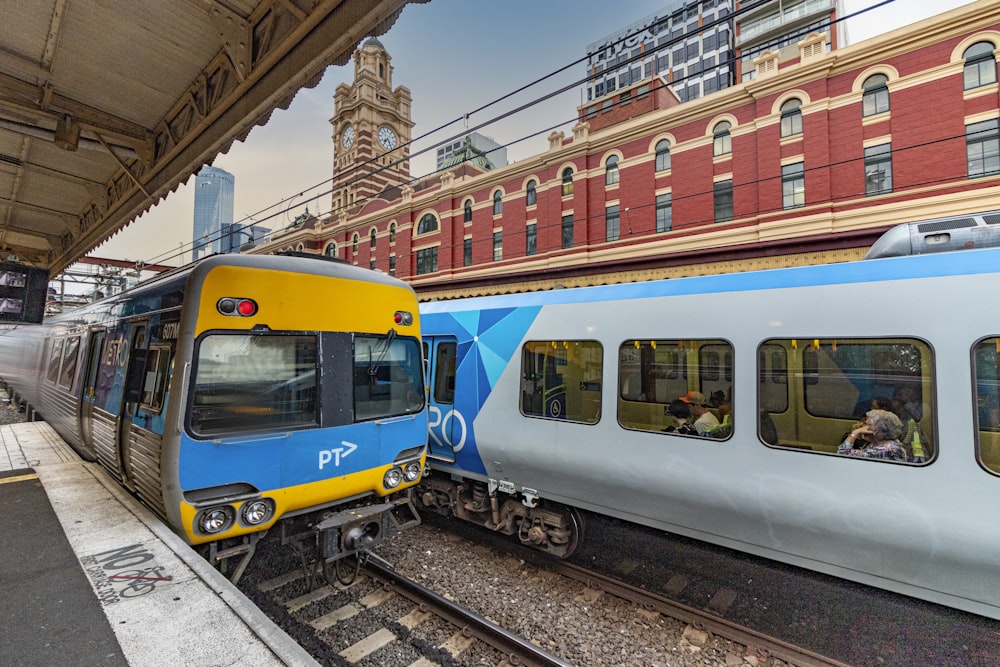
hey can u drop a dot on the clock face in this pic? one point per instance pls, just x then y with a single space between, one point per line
387 138
348 137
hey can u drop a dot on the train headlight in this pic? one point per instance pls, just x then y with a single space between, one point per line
215 520
392 478
411 471
403 317
256 512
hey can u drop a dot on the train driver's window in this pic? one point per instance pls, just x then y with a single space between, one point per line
154 386
70 354
654 373
55 356
388 376
561 379
813 392
987 373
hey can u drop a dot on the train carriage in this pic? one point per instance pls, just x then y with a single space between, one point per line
237 391
542 403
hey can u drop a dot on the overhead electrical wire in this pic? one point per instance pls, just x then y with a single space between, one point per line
361 172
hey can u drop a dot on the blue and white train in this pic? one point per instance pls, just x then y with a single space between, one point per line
541 403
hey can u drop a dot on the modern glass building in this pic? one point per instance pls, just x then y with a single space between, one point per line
213 212
688 43
702 46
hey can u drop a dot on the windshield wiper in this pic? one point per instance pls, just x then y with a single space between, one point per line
377 362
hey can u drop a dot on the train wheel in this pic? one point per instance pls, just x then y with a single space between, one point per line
574 523
556 530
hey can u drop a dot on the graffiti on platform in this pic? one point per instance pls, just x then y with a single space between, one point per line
120 574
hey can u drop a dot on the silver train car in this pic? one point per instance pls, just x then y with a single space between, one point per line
964 232
542 403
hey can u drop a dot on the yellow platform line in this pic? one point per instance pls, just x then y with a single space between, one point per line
19 478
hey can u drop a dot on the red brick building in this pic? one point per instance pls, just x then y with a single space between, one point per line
809 162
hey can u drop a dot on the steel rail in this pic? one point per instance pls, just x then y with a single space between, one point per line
764 645
520 650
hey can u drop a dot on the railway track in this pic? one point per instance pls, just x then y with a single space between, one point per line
381 617
501 609
764 647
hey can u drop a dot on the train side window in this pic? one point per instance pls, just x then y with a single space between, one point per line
154 386
772 378
831 384
562 380
55 356
652 373
69 358
987 373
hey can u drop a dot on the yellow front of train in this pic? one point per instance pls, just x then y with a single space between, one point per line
302 389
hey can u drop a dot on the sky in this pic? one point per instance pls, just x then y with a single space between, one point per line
455 56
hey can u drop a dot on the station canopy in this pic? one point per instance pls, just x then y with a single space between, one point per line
106 107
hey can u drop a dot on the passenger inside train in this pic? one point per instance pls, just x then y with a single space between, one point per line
681 412
704 419
881 430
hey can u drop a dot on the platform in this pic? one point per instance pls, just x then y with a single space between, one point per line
90 576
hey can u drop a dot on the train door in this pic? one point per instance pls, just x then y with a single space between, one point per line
445 425
92 363
134 372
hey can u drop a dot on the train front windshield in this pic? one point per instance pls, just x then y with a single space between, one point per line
247 383
253 382
388 377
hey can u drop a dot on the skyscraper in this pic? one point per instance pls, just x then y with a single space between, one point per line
690 43
675 43
213 211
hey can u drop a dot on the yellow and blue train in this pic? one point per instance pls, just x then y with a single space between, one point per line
238 390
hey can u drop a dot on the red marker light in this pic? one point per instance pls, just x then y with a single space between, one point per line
402 317
236 307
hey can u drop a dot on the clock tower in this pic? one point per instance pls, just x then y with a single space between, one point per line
371 131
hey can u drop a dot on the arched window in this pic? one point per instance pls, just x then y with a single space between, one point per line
497 203
468 210
392 232
531 194
662 155
611 170
373 238
980 65
791 118
428 223
722 143
330 250
876 96
567 181
354 243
